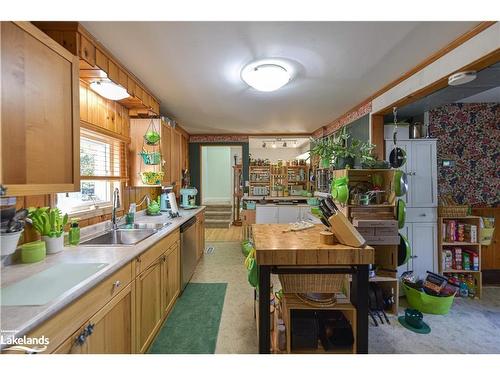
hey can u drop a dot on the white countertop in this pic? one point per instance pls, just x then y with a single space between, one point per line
19 320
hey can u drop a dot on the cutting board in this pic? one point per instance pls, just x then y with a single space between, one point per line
47 285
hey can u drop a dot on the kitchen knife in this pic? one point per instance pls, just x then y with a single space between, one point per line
328 213
331 206
325 222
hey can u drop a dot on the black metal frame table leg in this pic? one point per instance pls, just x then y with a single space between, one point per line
359 298
264 307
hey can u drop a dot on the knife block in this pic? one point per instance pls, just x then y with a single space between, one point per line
345 232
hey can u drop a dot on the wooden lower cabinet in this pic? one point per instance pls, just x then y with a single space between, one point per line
149 304
123 313
171 282
157 289
109 331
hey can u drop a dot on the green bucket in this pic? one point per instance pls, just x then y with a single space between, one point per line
426 303
33 252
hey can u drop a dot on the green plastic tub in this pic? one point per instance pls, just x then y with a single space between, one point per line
426 303
32 252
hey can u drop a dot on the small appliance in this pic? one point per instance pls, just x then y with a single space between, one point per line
188 197
164 202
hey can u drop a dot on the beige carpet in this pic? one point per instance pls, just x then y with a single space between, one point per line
472 326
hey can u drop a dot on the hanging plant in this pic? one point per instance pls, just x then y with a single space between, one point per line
152 136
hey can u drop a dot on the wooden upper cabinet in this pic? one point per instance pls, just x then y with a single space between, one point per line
98 62
39 136
87 50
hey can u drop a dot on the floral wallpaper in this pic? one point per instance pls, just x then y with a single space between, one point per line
217 138
469 134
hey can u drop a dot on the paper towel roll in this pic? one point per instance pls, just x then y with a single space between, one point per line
173 203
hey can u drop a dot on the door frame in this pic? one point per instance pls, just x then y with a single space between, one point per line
200 161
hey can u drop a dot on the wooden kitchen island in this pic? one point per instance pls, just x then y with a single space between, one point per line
301 252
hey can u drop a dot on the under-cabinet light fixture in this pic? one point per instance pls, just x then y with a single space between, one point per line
109 89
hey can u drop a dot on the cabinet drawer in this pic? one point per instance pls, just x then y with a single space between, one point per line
71 318
416 215
147 258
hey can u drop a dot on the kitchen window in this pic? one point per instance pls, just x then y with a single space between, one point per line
102 169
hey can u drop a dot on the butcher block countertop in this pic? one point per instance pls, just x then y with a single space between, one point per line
275 247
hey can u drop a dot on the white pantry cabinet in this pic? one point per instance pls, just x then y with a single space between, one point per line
421 201
421 169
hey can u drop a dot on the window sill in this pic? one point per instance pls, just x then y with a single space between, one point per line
92 212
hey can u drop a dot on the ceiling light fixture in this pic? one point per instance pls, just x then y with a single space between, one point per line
461 78
284 144
265 75
109 89
263 144
274 145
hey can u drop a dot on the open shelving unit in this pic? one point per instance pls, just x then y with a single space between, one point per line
267 177
292 302
385 255
473 246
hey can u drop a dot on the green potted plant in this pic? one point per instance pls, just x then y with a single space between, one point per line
323 148
49 222
342 153
362 152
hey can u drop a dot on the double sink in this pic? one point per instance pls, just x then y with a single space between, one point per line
126 234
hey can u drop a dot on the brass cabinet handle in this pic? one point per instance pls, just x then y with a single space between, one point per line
117 284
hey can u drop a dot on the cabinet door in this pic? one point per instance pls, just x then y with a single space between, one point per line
166 140
72 345
148 303
266 215
423 174
288 214
112 326
424 248
175 159
171 278
40 133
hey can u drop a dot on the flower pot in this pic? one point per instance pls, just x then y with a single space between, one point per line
54 245
342 163
324 163
8 242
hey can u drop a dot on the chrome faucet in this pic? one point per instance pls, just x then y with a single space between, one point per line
116 204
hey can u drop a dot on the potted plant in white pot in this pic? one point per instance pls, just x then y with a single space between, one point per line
49 222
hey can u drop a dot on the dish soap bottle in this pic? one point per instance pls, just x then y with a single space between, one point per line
74 233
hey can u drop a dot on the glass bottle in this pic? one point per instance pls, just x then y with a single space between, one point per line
74 233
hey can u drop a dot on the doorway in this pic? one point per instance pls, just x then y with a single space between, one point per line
217 173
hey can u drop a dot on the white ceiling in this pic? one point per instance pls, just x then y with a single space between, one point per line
194 67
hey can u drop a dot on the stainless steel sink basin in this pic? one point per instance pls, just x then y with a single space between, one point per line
121 237
156 226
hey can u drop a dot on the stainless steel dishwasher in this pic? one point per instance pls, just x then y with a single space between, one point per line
188 250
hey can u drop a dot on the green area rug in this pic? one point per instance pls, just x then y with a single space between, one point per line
193 325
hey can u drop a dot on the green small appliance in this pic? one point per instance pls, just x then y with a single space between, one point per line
188 197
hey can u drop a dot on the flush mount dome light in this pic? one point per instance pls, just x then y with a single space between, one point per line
461 77
265 76
109 89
